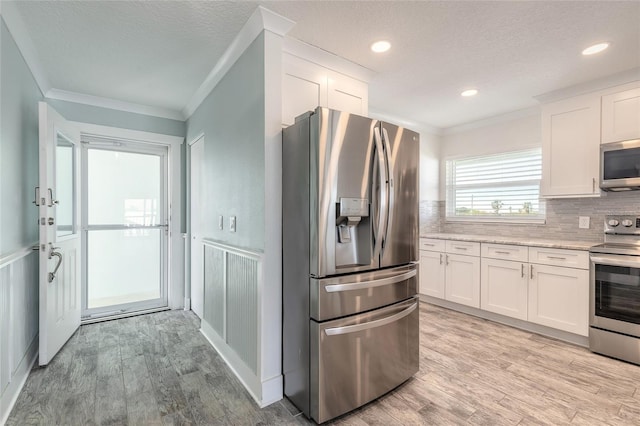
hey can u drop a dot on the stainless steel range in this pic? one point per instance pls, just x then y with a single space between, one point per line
614 314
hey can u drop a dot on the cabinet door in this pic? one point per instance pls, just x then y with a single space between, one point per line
559 298
304 87
571 147
462 279
347 94
503 288
432 273
621 116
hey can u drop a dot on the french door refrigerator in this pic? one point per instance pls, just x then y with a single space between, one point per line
350 252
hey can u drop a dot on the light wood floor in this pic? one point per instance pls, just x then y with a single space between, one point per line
157 368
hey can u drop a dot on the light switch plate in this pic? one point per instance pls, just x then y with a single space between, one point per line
232 224
583 222
220 222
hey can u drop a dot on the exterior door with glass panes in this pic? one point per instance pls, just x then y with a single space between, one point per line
126 227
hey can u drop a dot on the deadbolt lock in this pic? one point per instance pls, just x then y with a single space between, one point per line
50 221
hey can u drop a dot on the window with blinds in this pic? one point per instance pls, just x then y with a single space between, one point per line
499 187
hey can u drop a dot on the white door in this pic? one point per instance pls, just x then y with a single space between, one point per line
504 287
462 279
197 254
432 273
59 204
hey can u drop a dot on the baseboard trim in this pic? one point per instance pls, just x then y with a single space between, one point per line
12 392
263 392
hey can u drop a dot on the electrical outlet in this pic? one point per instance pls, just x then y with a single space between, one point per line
220 222
583 222
232 224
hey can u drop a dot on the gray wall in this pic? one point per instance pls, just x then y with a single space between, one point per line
115 118
232 118
18 148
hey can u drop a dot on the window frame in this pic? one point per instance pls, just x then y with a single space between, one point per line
449 210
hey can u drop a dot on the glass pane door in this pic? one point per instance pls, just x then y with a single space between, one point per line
125 232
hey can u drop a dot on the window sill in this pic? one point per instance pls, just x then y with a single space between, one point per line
502 221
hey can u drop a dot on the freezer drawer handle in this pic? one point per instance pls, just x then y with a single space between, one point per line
370 284
373 324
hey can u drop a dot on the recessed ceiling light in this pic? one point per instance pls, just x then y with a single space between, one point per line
470 92
596 48
380 46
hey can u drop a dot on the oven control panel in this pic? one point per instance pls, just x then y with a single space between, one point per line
620 224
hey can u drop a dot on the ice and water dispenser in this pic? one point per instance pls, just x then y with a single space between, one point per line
353 227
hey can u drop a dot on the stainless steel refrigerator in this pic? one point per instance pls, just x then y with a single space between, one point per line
350 252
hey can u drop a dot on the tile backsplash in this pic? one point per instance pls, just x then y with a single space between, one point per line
561 223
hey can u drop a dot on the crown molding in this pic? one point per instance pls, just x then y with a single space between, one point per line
80 98
490 121
413 125
326 59
261 20
16 26
617 79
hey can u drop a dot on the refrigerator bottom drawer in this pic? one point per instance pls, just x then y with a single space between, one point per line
359 358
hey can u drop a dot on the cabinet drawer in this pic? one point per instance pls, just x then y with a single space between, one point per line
432 244
559 257
463 247
505 251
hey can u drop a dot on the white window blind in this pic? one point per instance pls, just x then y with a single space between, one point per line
499 187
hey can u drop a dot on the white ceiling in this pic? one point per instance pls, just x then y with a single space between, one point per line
158 53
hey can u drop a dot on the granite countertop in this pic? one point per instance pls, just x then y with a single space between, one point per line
533 242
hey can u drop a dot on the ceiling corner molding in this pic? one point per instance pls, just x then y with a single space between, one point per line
413 125
326 59
273 22
261 19
490 121
97 101
16 26
623 77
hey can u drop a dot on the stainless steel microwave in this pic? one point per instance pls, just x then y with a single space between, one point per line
620 165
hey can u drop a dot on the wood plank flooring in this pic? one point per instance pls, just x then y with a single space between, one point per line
158 369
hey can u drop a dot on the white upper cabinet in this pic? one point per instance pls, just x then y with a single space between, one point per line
347 94
571 147
307 85
621 116
304 87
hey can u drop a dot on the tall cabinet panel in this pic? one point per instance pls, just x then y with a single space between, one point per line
570 136
307 85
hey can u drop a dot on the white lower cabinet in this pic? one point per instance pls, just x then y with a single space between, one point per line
432 272
546 286
462 279
559 298
446 274
504 287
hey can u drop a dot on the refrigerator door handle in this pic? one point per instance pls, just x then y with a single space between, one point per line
370 284
335 331
380 230
391 191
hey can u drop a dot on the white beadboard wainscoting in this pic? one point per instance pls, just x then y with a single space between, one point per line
232 317
19 293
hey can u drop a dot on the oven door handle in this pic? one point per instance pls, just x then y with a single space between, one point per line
614 261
